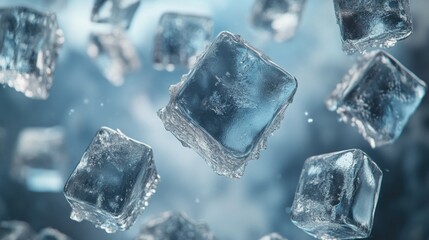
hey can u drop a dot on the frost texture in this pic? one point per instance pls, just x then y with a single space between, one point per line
228 104
117 13
273 236
15 230
180 38
112 182
336 195
378 96
368 23
51 234
177 226
278 18
29 46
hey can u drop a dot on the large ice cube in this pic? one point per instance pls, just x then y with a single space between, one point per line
117 13
112 182
15 230
177 226
378 96
278 18
336 195
368 23
179 39
51 234
228 104
40 159
273 236
29 45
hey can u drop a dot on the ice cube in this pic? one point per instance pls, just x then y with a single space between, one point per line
378 96
228 104
51 234
114 54
40 159
15 230
273 236
364 24
29 46
180 38
117 13
177 226
278 18
336 195
113 181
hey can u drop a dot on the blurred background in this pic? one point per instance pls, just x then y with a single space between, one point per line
82 100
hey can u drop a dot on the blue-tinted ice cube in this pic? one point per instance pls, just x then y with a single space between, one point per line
272 236
180 38
29 45
336 195
117 13
40 159
51 234
365 24
112 182
228 104
378 96
278 18
177 226
15 230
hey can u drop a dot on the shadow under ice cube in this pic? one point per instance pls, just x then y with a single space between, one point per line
15 230
228 104
378 96
117 13
113 181
29 46
337 195
273 236
51 234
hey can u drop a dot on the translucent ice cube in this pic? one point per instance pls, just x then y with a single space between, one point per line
29 45
367 23
177 226
336 195
40 159
279 18
228 104
179 39
118 13
378 96
51 234
15 230
112 182
273 236
114 54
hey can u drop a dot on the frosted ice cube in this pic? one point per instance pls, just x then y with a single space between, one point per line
177 226
15 230
336 195
180 38
228 104
273 236
367 23
51 234
114 54
117 13
113 181
40 159
29 46
278 18
378 96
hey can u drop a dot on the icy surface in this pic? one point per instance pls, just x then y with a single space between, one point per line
273 236
378 96
41 159
336 195
179 39
278 18
51 234
228 104
29 45
175 225
15 230
367 23
113 181
117 13
114 54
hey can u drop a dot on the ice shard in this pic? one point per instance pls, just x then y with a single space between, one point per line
51 234
117 13
228 104
273 236
15 230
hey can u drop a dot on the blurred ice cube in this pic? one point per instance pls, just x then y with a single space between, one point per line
15 230
117 13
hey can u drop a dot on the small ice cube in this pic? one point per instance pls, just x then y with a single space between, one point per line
228 104
117 13
113 181
15 230
378 96
273 236
51 234
336 195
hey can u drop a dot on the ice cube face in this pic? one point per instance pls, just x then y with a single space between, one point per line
29 46
114 54
177 226
116 13
15 230
180 38
113 181
228 104
273 236
367 23
378 96
51 234
40 159
278 18
336 195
